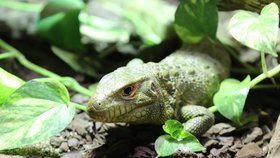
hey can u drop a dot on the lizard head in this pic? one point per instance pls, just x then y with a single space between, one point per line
128 94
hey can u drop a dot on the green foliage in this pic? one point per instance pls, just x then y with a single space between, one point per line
176 130
196 19
21 5
165 145
67 81
8 84
178 139
37 110
171 126
114 21
74 60
59 23
231 97
257 31
103 29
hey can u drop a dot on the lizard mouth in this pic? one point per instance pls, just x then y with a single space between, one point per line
118 113
98 115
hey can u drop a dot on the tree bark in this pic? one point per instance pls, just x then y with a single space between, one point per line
274 145
251 5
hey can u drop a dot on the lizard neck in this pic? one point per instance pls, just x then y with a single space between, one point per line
164 75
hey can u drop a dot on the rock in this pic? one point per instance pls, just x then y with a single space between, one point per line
81 131
72 134
219 129
181 155
10 156
73 142
219 146
64 146
91 146
211 143
97 126
253 135
77 136
219 152
265 148
88 138
75 154
82 142
65 134
56 141
237 145
225 141
80 125
251 150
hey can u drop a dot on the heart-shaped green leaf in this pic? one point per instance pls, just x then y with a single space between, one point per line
196 19
37 110
231 97
257 32
180 134
175 129
8 84
165 145
172 125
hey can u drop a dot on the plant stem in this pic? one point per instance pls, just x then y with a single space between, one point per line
266 86
70 82
262 76
67 81
78 106
264 67
213 108
26 62
6 55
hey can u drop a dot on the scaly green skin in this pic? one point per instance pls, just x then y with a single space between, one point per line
177 87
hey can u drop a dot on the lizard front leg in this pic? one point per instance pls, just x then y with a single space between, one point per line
198 119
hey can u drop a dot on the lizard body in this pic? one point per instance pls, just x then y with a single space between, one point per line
178 87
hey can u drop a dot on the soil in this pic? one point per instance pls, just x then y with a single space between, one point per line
136 141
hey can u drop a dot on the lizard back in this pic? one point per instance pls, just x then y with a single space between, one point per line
192 74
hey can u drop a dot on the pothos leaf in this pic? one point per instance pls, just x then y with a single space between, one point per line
196 19
165 145
34 112
8 84
257 31
231 97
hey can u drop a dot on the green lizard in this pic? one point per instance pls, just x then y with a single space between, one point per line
179 87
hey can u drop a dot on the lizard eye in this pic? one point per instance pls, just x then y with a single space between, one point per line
129 91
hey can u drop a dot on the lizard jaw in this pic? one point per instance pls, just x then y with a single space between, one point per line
129 114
